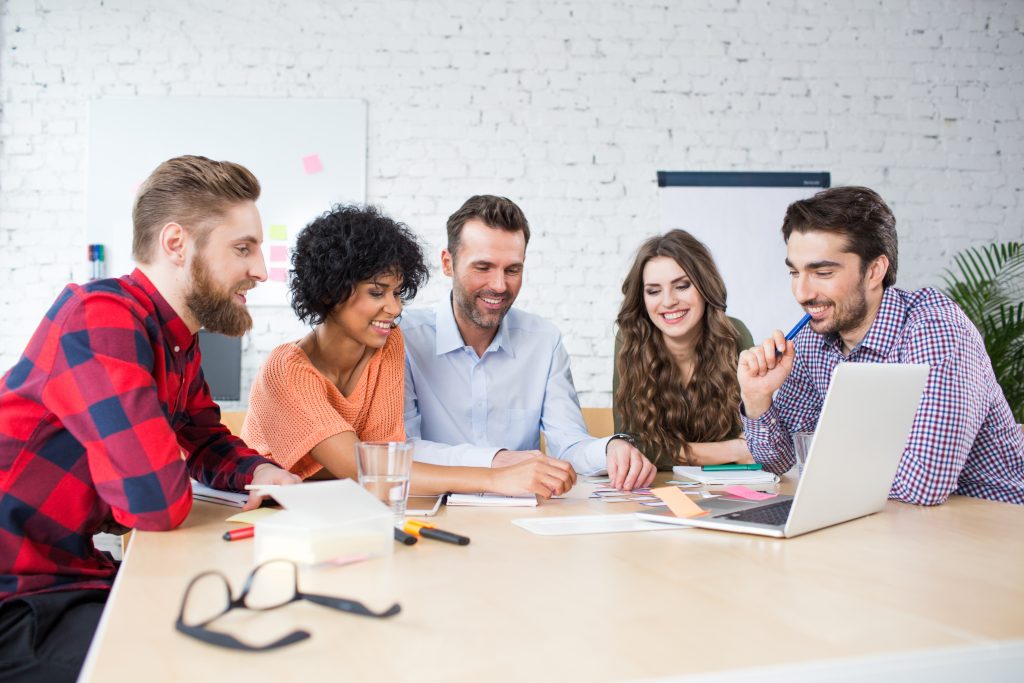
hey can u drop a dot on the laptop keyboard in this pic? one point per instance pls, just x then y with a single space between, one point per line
774 515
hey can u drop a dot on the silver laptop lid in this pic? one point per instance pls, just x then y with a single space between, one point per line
862 431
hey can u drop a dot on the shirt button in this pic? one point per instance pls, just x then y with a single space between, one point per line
177 348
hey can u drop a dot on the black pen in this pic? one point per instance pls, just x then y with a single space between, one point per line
404 538
414 526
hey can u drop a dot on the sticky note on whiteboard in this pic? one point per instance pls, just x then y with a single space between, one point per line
278 275
279 254
312 164
278 232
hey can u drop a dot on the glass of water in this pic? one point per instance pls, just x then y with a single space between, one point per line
384 468
801 447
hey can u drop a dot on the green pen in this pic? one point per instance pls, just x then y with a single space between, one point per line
731 466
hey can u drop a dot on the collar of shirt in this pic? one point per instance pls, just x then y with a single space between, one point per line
179 338
883 331
448 337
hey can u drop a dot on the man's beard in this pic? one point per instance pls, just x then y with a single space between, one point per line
845 317
215 310
486 320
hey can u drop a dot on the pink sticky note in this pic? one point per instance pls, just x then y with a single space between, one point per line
749 494
279 254
312 163
278 275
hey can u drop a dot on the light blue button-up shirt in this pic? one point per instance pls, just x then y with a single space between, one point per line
461 408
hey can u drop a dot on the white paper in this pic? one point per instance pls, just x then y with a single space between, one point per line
589 524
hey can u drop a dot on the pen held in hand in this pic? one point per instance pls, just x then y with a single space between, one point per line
796 330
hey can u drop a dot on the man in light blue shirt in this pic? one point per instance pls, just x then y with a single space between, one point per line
483 380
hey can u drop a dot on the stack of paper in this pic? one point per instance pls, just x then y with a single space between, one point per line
726 477
491 500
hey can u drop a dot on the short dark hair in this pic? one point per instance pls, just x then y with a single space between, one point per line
345 246
495 212
188 190
856 213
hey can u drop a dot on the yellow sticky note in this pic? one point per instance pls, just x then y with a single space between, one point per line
678 502
252 516
278 232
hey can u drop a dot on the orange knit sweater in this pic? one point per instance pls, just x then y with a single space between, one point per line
292 407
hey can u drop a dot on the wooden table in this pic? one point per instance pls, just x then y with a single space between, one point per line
517 606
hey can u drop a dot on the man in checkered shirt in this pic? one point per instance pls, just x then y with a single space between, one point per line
841 251
108 396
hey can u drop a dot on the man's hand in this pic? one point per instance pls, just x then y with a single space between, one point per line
761 372
628 468
268 474
504 458
538 474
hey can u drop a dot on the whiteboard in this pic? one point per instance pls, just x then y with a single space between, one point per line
739 217
307 155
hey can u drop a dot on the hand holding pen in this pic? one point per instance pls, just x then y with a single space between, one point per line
763 369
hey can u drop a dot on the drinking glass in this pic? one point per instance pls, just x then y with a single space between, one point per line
802 446
384 468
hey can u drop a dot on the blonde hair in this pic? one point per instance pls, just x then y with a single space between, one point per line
188 190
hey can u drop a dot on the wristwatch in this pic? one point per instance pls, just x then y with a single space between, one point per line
628 438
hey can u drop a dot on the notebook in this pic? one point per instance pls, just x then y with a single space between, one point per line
725 477
491 500
862 431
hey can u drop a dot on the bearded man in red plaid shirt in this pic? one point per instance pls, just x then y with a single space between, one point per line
109 395
841 251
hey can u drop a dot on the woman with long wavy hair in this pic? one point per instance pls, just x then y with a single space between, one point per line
675 387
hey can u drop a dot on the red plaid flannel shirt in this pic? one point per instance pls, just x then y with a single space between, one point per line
93 421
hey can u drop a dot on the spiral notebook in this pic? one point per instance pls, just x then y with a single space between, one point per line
725 477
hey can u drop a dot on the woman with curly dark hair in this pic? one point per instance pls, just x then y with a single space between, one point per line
675 385
314 399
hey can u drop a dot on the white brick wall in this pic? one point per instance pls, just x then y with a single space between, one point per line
567 107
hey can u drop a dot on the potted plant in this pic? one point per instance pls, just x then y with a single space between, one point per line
988 284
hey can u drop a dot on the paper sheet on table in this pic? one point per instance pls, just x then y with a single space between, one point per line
678 502
589 524
252 516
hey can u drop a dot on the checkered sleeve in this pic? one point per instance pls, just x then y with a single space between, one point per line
950 414
794 408
216 457
101 388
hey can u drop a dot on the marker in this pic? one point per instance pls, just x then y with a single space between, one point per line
418 528
404 538
239 534
796 330
732 466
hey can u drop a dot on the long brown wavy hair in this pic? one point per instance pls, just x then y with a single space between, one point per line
665 415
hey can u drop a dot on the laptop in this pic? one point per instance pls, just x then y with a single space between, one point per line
852 461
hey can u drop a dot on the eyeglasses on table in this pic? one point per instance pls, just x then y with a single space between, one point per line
270 585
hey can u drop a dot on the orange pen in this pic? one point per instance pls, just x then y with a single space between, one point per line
427 530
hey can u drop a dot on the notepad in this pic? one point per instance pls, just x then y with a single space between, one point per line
204 492
491 500
725 477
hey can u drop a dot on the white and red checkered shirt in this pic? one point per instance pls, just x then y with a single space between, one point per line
964 439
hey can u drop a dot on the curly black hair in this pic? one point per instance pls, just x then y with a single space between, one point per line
345 246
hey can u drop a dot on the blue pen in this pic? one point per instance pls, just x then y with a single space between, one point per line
796 330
